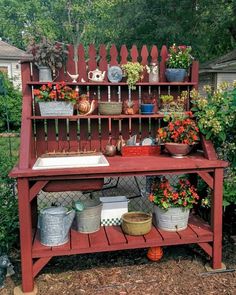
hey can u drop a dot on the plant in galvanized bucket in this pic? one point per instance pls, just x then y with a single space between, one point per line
173 204
56 100
180 134
48 56
133 71
178 61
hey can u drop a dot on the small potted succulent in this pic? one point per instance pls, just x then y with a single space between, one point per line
180 134
178 61
166 101
48 57
56 100
148 104
133 71
173 203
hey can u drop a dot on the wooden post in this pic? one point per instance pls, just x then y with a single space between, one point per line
25 235
216 218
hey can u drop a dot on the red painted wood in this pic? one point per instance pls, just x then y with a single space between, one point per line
154 54
134 53
92 63
73 185
153 236
70 65
104 133
208 148
73 139
206 247
37 246
207 178
216 218
113 54
201 228
39 264
79 240
103 65
36 188
164 55
144 62
82 64
115 235
169 236
63 144
52 143
26 143
187 234
41 144
84 142
95 136
65 247
98 239
194 73
136 240
25 235
123 54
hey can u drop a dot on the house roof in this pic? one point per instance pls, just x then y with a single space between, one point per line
224 63
8 51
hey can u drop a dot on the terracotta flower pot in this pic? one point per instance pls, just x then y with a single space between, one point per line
178 150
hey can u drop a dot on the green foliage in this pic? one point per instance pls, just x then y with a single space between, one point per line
10 105
133 71
47 53
9 227
179 57
216 116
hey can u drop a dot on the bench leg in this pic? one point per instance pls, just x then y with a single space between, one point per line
216 218
25 235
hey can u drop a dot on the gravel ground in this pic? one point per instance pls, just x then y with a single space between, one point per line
181 271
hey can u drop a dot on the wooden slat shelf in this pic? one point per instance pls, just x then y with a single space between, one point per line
112 238
32 83
114 117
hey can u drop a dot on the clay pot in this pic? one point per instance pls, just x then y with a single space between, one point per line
84 104
154 253
110 149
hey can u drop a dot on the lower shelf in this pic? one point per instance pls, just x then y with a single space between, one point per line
112 238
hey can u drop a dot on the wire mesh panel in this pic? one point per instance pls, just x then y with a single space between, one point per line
135 188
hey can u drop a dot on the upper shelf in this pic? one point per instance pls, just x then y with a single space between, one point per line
117 84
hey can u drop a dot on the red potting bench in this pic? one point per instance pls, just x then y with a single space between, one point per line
46 134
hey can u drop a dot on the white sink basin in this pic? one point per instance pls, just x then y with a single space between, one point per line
57 162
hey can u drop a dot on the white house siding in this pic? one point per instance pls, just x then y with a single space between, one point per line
14 71
228 77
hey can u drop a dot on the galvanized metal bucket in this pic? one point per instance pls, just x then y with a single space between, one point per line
45 74
88 218
56 108
173 219
54 224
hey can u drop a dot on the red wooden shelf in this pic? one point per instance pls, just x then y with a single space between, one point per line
118 117
112 238
117 84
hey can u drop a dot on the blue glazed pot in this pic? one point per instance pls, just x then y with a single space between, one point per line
175 75
147 109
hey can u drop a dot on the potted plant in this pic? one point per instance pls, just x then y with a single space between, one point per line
48 57
178 61
56 100
173 204
166 101
180 134
147 105
153 72
133 71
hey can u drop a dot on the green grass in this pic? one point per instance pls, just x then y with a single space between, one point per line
5 143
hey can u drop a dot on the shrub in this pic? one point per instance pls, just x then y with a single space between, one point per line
8 207
10 105
216 117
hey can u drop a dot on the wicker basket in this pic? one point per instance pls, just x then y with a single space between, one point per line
136 223
110 108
